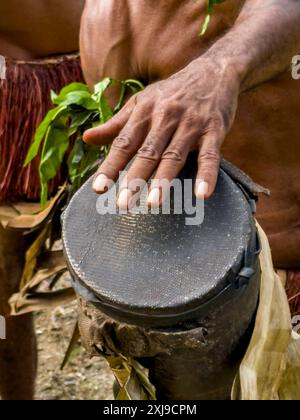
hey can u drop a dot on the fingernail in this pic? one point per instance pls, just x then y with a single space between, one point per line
154 198
124 200
101 183
202 190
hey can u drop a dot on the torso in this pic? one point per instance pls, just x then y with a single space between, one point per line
147 39
151 40
32 29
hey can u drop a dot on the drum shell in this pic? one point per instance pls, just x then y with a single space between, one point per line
197 360
196 356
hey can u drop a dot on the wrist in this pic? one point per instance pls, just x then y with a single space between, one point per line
233 62
231 70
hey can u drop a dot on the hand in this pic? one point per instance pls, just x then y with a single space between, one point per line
193 109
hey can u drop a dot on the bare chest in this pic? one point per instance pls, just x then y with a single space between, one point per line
146 39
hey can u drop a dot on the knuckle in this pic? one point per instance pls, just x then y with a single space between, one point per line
134 99
122 143
191 119
163 113
169 109
144 101
210 156
220 122
148 152
174 155
145 109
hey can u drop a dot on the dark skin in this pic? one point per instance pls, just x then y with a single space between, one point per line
18 355
39 28
29 29
160 40
228 93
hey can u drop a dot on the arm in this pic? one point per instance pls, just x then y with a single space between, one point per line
196 107
263 40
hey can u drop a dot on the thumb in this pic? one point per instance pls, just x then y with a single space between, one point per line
106 133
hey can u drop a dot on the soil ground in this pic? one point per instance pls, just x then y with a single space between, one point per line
82 378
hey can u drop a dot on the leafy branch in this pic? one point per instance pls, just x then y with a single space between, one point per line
76 110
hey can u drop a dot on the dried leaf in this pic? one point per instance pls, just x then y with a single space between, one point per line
21 305
290 384
132 378
35 221
31 256
73 343
7 213
51 260
271 366
40 277
27 208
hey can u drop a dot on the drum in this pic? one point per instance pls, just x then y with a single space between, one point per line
177 296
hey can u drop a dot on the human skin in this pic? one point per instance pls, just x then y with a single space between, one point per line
18 355
39 28
29 29
230 92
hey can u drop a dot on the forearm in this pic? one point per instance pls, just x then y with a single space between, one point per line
262 42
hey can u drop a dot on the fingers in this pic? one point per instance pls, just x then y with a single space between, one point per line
153 149
148 156
105 133
123 148
208 165
173 160
175 156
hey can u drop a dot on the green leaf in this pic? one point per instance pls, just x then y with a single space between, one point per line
103 106
105 111
100 88
73 87
210 9
77 110
80 98
205 25
211 4
53 96
121 98
82 160
75 159
92 154
55 147
80 119
41 132
135 85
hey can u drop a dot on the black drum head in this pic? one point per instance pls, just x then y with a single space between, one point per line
149 266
